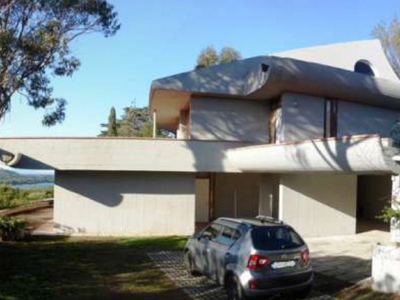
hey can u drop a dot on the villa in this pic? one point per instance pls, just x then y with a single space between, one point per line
304 136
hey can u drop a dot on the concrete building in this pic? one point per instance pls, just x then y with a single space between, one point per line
303 135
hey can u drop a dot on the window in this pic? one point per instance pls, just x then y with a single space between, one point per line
364 67
228 236
331 116
211 232
275 238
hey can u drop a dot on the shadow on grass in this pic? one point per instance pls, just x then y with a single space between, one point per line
85 268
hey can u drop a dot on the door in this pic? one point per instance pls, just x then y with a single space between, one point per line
202 199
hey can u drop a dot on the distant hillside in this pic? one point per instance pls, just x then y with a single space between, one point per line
8 177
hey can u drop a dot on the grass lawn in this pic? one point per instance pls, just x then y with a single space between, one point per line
82 268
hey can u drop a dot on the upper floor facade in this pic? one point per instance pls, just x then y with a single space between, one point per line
329 91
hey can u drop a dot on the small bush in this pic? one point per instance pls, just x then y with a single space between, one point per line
12 229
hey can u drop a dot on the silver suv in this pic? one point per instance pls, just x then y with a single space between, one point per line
257 257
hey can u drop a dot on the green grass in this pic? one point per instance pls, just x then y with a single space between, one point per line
82 268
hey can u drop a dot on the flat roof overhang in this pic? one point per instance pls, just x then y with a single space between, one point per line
267 77
353 154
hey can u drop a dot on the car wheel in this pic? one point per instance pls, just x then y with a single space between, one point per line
189 264
234 289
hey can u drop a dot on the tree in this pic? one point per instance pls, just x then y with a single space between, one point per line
135 122
112 123
390 40
228 54
209 57
34 44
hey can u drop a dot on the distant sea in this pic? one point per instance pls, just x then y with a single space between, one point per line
26 186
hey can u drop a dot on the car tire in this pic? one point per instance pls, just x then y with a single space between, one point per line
189 264
234 289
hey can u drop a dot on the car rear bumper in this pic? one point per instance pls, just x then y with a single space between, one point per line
282 284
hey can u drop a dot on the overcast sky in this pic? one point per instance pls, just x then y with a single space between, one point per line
161 38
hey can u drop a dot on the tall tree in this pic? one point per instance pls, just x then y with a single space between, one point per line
112 123
34 44
390 38
228 54
209 57
135 122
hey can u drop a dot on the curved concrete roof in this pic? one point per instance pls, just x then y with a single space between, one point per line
353 154
266 77
345 55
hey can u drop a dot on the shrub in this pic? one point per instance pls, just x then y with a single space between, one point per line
12 229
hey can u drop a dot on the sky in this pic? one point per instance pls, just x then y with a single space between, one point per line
159 38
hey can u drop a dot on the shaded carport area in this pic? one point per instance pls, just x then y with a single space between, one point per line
373 194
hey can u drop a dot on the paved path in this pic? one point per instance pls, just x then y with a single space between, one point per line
346 258
199 287
39 221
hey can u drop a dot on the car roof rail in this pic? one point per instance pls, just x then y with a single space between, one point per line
267 219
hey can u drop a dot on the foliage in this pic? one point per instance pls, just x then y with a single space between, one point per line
34 44
11 229
13 197
390 211
209 57
112 123
228 55
389 35
135 122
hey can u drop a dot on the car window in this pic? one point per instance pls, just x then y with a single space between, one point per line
228 236
211 232
275 238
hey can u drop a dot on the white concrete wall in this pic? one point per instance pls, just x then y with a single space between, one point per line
121 154
228 120
319 205
302 117
356 118
131 203
246 187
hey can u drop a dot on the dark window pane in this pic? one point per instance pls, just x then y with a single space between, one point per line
363 68
275 238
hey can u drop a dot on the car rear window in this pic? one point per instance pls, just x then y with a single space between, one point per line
275 238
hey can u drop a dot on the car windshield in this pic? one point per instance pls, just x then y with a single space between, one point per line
275 238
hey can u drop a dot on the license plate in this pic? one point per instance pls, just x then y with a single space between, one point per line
283 264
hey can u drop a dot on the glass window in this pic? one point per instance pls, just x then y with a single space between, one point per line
211 232
275 238
228 236
363 67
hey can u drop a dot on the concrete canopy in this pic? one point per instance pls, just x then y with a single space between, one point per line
353 154
266 77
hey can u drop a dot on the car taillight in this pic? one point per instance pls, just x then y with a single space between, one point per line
305 256
257 261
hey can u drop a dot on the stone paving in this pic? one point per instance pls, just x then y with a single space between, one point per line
199 287
346 258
